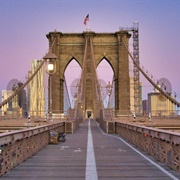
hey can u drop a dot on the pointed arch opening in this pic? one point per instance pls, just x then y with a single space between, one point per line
105 75
71 79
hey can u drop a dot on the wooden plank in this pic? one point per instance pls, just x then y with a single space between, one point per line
66 161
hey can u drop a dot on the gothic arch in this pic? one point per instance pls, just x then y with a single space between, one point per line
109 46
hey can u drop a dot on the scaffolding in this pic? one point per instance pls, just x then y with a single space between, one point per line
137 88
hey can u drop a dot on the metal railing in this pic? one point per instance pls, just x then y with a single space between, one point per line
163 145
17 146
17 113
146 113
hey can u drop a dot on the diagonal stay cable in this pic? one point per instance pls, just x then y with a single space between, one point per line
17 91
149 79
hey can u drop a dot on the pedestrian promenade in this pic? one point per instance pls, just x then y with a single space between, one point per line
91 154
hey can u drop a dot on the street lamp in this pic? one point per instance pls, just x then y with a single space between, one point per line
109 92
50 69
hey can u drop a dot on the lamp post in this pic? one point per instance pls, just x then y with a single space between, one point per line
109 92
149 116
50 69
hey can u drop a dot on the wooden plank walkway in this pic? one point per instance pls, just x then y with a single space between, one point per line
114 160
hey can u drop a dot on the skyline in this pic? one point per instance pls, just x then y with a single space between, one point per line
24 25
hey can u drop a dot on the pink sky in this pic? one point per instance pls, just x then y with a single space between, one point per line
25 23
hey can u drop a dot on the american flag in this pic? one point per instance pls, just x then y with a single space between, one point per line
86 19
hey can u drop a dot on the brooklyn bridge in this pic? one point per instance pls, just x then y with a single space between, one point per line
119 141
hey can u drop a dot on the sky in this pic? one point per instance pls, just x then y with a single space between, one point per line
25 23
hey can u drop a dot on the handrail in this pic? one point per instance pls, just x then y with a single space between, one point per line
173 137
8 137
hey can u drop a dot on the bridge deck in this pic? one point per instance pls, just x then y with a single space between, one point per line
114 159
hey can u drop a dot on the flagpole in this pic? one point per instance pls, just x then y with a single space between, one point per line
88 26
86 22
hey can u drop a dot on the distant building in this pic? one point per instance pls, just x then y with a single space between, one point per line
22 100
132 98
9 108
145 107
159 105
36 91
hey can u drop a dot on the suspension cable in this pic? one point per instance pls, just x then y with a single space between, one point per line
17 91
149 79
